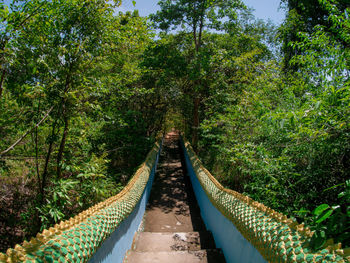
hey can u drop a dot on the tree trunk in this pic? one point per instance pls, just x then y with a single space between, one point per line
47 160
36 158
2 78
195 127
65 119
42 181
37 150
62 145
196 98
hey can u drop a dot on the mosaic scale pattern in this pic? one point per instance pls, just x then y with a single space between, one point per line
77 239
276 237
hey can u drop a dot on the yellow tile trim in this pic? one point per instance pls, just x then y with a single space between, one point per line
277 237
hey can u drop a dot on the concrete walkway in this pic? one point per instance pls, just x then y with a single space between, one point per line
173 230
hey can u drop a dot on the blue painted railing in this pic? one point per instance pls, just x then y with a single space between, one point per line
115 247
235 247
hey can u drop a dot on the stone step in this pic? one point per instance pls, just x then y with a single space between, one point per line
176 241
199 256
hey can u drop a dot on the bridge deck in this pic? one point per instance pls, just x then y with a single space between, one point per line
173 230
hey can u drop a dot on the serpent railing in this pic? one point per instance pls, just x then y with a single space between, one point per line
276 237
228 214
78 239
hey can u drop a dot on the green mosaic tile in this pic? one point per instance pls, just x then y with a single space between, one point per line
271 237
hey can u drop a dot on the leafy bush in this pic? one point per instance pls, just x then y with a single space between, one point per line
283 138
85 186
332 221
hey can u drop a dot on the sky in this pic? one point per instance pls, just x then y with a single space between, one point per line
264 9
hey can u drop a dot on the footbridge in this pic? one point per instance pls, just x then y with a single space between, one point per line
174 210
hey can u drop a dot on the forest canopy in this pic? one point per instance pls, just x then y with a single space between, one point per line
85 90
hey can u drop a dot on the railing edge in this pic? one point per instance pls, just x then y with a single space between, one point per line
47 247
288 250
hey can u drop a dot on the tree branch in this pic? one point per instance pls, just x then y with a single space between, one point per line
25 134
29 16
2 78
201 25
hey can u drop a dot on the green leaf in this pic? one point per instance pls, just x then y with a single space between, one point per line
302 211
134 3
332 187
324 216
320 209
318 239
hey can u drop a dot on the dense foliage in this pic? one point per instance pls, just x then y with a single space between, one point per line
84 91
273 125
282 136
77 116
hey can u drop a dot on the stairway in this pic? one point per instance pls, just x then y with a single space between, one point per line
172 229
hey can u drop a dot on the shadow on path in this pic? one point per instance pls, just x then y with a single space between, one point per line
172 205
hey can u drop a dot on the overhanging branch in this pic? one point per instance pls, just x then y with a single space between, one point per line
26 133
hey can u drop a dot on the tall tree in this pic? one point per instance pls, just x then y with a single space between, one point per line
54 57
14 18
194 16
302 17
